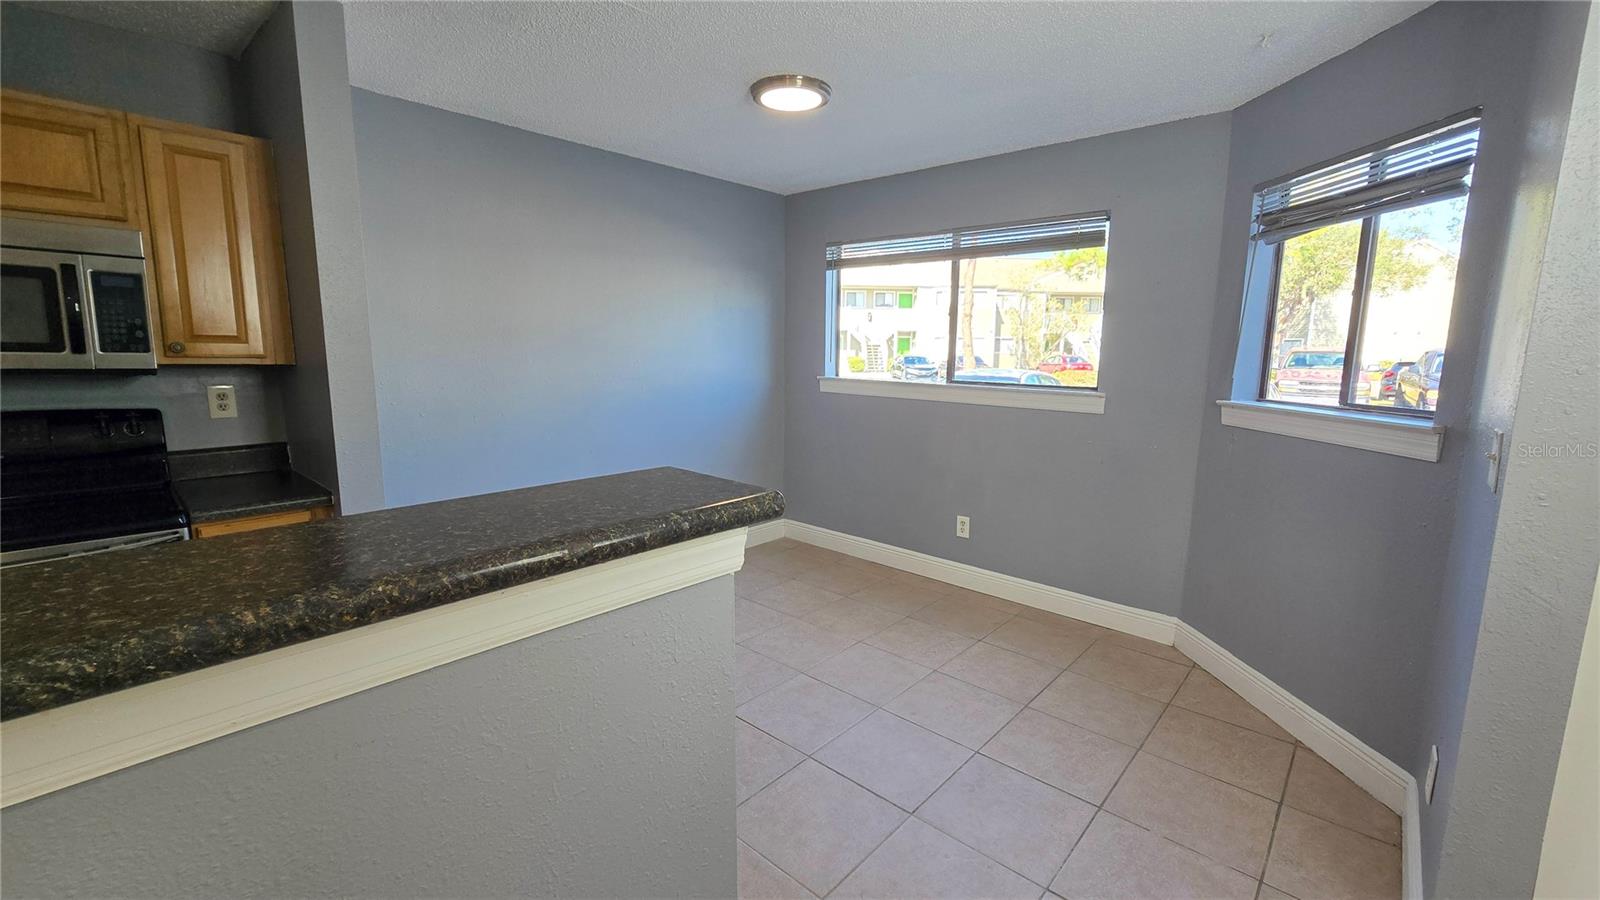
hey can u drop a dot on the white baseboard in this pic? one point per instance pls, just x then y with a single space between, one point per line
1378 775
1411 841
764 532
1145 624
1347 753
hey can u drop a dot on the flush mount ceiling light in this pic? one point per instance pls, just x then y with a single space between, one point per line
790 93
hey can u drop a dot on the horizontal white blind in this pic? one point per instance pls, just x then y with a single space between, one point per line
890 249
1025 237
1084 231
1419 169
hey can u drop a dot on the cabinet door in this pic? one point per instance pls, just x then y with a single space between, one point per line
203 225
63 158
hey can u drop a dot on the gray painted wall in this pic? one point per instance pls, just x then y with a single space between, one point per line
89 63
1488 820
1323 566
543 310
300 95
1095 504
595 760
178 391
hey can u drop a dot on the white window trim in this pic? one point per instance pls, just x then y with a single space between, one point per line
1062 400
1415 439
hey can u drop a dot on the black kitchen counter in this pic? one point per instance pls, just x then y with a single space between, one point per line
81 627
248 494
233 482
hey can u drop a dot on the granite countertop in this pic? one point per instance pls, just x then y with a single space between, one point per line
231 482
80 627
248 494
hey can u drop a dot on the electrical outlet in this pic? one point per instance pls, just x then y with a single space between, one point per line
224 405
963 527
1429 779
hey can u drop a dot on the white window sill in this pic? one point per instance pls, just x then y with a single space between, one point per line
1419 439
1062 400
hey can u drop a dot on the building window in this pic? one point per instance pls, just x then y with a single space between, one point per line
1016 305
1353 269
855 300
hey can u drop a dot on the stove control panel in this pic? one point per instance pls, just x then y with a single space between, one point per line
68 433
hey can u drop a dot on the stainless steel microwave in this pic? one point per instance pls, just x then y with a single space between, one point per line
73 297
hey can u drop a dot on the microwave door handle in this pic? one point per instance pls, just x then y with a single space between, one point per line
72 294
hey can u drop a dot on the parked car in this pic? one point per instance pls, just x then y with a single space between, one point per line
1417 385
917 368
961 364
1312 374
1008 376
1064 362
1386 383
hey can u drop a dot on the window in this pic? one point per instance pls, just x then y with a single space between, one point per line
1360 262
1017 305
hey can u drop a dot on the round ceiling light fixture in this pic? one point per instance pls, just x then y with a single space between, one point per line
791 93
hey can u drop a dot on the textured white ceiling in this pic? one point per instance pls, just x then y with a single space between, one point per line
914 84
221 26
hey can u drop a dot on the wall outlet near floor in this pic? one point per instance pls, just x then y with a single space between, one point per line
224 405
1429 779
963 527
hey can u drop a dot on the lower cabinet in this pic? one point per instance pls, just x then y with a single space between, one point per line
256 523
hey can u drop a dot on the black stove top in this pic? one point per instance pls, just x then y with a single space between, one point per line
79 476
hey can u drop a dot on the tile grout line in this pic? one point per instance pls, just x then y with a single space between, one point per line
1280 802
1101 806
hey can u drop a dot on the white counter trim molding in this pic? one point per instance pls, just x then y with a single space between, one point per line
69 744
1392 785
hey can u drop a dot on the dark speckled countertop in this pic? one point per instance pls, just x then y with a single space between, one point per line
231 482
77 628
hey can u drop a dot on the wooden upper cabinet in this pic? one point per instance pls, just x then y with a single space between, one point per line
64 159
204 199
215 245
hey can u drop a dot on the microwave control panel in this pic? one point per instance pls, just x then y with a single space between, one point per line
121 321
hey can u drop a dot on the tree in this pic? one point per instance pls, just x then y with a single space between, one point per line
969 272
1084 264
1317 277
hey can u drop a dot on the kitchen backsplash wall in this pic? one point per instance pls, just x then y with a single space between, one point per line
75 60
178 391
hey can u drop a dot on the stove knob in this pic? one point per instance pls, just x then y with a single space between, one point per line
133 427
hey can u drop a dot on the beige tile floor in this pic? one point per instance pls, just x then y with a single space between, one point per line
898 737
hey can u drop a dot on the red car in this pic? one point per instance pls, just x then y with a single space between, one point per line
1062 362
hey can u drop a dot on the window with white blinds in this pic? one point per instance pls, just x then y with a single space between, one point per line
1017 305
1435 164
1045 234
1351 278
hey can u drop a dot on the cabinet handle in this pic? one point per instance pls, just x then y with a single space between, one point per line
175 348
